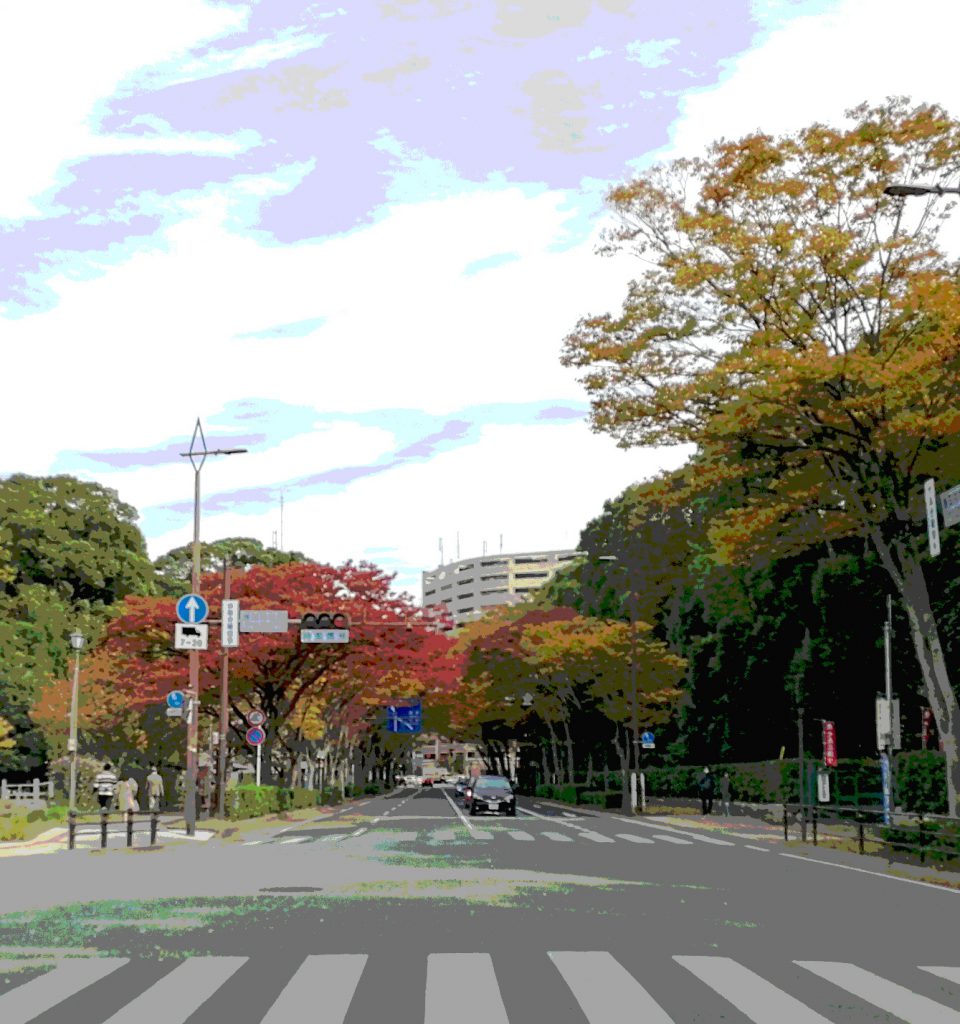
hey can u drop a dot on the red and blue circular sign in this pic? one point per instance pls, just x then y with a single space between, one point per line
255 736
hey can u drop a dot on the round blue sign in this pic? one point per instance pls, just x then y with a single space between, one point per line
192 608
175 699
646 737
255 736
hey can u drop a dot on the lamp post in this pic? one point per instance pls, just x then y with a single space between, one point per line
633 677
901 191
193 697
77 640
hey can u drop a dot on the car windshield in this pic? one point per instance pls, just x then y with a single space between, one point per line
494 784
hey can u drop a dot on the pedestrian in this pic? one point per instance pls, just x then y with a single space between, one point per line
154 789
706 788
130 795
725 793
105 784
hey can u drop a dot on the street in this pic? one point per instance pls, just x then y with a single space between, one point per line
402 908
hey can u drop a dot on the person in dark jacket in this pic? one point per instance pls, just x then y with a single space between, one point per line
705 787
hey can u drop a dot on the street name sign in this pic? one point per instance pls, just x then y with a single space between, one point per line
174 712
950 506
263 620
256 736
175 699
256 718
324 636
190 638
933 524
229 623
192 608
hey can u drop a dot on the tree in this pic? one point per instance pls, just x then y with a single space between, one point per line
175 568
807 345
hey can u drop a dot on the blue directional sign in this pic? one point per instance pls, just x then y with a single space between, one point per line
175 699
646 740
192 608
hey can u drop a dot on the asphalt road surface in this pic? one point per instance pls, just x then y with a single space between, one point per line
401 909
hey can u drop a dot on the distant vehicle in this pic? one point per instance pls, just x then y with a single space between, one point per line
426 781
490 793
461 784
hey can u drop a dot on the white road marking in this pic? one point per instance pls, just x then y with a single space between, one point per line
712 840
294 839
334 976
445 835
557 837
525 836
68 977
450 976
882 993
595 836
254 842
634 839
605 989
762 849
867 871
176 996
754 996
457 810
480 834
947 973
674 839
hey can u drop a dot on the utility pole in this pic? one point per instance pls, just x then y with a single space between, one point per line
802 768
224 710
888 681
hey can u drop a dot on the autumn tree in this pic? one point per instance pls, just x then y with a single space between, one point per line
174 569
790 326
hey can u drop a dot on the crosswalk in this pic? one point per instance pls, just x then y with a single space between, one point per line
594 981
459 838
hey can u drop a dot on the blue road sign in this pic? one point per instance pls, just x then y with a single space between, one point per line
192 608
256 736
646 737
175 699
404 718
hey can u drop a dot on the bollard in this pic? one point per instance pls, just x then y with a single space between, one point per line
923 852
153 827
860 832
785 826
814 824
71 829
103 830
129 828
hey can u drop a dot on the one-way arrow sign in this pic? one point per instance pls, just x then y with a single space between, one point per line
192 608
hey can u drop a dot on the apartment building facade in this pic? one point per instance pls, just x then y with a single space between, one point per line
471 585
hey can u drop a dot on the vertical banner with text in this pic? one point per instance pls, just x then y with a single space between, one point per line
830 744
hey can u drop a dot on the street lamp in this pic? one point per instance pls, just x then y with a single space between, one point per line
190 788
901 191
77 640
633 677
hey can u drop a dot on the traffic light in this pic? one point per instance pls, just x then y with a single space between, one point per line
324 620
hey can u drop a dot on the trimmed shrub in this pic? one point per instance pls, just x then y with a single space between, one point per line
372 789
920 779
545 791
13 826
594 796
56 812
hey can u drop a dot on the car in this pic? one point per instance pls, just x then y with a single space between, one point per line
426 781
461 784
490 793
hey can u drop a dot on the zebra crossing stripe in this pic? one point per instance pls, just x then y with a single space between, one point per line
634 839
525 836
447 835
755 997
595 836
34 997
450 976
332 978
878 991
603 988
295 839
674 839
557 837
480 834
176 996
712 840
947 973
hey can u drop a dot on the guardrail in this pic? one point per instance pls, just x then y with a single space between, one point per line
907 832
27 790
74 828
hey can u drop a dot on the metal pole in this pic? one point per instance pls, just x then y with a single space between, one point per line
803 803
74 704
224 711
633 710
888 679
190 787
258 763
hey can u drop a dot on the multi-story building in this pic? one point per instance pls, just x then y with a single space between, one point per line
470 585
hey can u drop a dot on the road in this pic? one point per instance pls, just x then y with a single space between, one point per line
403 910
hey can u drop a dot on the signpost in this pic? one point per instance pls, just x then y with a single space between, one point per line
404 718
647 741
255 737
950 506
256 717
823 786
191 638
192 608
230 624
324 636
263 620
175 704
933 525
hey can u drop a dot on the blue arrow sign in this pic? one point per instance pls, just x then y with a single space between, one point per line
192 608
175 699
646 737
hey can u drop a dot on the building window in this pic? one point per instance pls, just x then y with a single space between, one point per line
495 590
463 597
463 611
499 561
449 586
494 576
530 575
465 568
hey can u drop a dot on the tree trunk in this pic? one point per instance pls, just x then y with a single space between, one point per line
553 754
546 767
623 753
589 769
569 742
906 571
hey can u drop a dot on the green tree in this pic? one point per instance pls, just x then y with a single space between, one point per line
174 569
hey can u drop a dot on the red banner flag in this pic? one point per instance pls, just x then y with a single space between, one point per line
830 744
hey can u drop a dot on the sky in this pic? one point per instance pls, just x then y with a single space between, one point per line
352 239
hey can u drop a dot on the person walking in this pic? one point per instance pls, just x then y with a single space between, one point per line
725 793
132 787
705 785
154 789
105 784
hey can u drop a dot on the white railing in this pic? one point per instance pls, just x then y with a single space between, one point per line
35 790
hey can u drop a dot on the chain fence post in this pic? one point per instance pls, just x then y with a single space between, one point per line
71 829
103 829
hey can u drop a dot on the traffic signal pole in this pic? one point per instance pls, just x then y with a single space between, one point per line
224 710
193 692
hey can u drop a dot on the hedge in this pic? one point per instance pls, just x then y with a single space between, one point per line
254 801
921 782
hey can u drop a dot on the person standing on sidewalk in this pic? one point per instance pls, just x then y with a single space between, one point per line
154 789
706 789
105 784
725 793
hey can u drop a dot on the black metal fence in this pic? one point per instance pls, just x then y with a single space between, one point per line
127 818
927 837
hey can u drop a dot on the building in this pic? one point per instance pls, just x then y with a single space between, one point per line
470 585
